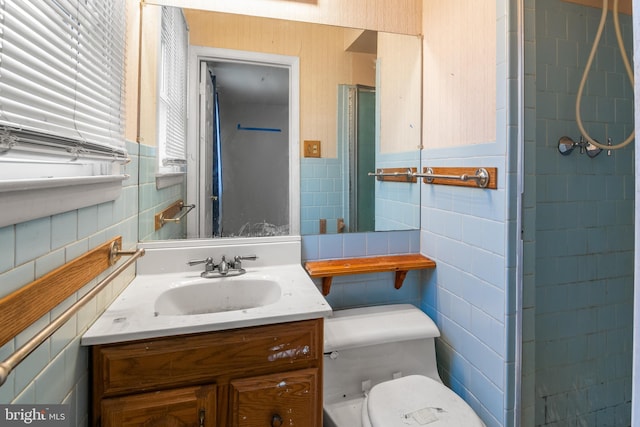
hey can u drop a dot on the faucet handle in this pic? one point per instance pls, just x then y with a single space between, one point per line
246 258
208 260
237 260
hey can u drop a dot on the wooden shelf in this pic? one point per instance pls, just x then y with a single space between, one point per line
401 264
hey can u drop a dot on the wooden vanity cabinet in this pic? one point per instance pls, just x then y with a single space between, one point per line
275 400
190 406
257 376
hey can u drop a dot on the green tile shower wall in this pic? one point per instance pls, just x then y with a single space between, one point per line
529 220
57 371
578 330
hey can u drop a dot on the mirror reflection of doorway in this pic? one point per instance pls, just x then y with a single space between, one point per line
244 141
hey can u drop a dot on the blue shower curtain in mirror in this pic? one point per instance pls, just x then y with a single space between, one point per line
217 165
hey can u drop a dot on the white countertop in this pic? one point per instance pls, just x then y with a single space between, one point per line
132 316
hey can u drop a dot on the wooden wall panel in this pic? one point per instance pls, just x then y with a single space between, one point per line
459 92
396 16
400 102
131 70
150 48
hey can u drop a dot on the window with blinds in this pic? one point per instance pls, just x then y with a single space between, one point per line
172 98
61 88
62 117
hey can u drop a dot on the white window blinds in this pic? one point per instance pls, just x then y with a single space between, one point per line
62 85
172 105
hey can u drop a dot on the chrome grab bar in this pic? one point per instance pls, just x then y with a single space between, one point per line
20 354
177 219
379 174
481 177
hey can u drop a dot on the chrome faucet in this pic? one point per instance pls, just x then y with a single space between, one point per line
223 267
231 268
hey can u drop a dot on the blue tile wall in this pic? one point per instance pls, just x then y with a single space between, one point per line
322 195
58 370
154 200
472 234
579 270
397 206
466 296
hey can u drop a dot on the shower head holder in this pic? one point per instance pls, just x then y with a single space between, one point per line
566 146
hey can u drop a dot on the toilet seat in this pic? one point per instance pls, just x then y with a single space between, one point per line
417 400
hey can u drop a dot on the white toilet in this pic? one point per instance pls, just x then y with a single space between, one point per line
380 371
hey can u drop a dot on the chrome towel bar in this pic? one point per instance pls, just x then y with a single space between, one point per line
408 173
402 174
177 219
481 177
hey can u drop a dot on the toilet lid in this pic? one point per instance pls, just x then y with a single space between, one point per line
418 400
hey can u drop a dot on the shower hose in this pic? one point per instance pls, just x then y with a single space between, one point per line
585 74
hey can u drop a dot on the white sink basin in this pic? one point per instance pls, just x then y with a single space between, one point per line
177 303
217 295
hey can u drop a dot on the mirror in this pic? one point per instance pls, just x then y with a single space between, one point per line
357 96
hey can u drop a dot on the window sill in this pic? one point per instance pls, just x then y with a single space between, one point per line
164 180
27 199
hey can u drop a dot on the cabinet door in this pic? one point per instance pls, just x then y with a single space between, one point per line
184 407
285 399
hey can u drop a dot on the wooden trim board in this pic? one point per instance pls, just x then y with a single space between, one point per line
25 306
457 171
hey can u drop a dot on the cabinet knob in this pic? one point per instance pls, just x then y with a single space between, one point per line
276 421
201 418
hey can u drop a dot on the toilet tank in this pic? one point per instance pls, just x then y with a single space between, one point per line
365 346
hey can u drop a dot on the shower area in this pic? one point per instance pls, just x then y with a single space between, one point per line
578 220
357 142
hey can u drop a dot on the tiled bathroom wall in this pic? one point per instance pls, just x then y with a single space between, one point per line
322 195
579 327
470 294
154 200
527 398
473 236
395 207
57 371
